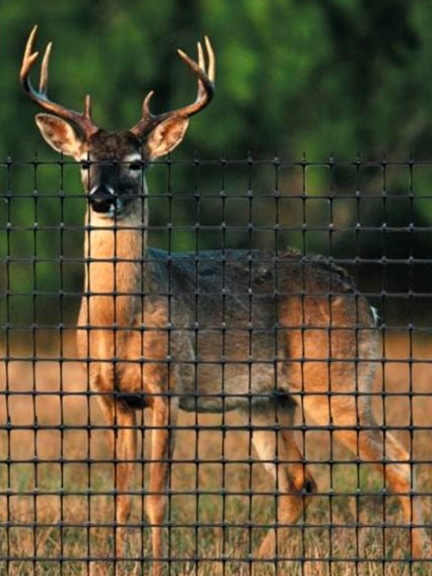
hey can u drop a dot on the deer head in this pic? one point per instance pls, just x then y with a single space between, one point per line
112 163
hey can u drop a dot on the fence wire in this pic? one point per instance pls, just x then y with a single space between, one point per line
253 391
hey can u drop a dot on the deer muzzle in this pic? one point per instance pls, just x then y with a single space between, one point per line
103 199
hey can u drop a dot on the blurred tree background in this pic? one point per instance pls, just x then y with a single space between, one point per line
314 79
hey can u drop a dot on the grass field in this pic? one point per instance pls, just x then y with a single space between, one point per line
66 501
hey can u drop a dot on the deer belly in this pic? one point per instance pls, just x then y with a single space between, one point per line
221 371
228 386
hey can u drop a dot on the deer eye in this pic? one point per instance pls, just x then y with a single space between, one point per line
135 166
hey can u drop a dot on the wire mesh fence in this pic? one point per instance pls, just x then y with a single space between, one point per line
230 374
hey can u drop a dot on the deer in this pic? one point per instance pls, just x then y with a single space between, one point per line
162 331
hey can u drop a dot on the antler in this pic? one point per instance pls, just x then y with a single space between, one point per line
40 96
206 80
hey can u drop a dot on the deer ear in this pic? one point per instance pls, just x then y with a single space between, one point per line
61 135
166 136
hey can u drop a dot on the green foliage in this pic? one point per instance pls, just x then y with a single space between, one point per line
340 75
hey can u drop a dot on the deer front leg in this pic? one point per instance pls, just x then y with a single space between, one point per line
125 457
122 440
162 445
107 406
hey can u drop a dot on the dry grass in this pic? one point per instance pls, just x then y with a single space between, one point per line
63 500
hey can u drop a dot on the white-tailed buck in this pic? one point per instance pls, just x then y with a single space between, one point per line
157 331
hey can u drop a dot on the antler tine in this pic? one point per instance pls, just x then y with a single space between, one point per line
200 72
212 60
28 59
43 84
87 107
201 61
146 114
204 93
202 65
148 120
40 96
205 79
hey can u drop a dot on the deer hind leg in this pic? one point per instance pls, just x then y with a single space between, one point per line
284 461
372 445
164 417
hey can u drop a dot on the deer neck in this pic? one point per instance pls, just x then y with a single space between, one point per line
114 252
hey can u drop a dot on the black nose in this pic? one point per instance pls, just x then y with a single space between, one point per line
101 199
